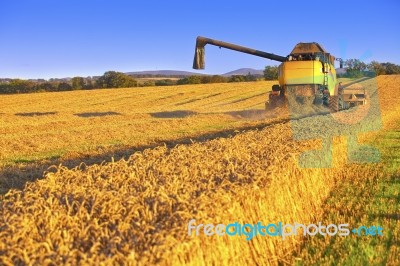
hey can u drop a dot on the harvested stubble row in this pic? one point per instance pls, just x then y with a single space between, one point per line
137 210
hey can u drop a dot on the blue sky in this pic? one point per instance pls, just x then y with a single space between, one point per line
47 38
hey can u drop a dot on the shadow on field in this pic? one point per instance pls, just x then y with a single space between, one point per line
32 114
15 176
173 114
96 114
390 216
188 101
248 114
244 99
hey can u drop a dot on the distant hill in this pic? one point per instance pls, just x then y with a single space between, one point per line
244 71
178 73
164 73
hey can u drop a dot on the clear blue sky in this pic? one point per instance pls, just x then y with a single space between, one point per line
49 38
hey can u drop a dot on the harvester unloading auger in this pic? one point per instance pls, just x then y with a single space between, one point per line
307 75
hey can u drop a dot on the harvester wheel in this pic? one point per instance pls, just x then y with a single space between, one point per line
273 103
318 100
275 99
306 100
334 103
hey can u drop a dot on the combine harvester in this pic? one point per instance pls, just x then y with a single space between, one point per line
307 76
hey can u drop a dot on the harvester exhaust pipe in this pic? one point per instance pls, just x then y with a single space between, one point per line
340 62
199 62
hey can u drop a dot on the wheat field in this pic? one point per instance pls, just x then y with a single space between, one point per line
93 126
135 210
78 121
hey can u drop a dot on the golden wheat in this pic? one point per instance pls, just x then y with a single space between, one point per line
135 211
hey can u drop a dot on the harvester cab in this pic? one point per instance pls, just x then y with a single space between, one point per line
306 76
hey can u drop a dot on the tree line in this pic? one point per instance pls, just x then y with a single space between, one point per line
355 68
110 79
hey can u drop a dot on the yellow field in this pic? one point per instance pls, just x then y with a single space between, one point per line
136 211
92 126
83 120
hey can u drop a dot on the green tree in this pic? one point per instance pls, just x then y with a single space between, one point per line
213 79
45 86
165 82
356 64
89 83
250 77
113 79
237 78
391 68
182 81
149 83
377 68
21 86
63 86
205 79
218 79
355 68
271 73
194 79
78 83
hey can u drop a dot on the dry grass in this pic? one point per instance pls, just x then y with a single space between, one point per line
135 211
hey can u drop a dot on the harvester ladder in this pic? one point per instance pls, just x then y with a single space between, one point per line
326 75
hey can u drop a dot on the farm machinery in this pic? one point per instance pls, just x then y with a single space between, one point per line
307 76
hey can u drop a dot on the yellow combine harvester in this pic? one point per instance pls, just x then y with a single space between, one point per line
306 76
